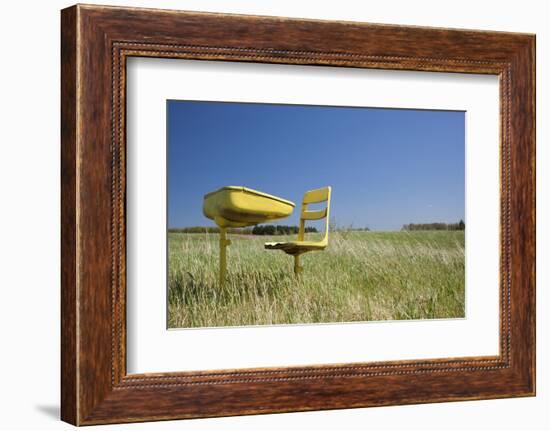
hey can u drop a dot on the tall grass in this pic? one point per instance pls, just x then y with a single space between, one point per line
361 276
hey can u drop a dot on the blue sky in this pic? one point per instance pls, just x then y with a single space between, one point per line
387 167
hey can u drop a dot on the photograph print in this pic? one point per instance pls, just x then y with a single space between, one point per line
300 214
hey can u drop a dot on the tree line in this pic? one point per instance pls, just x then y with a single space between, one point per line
434 226
209 229
270 229
267 229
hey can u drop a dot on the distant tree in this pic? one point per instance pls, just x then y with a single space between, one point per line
434 226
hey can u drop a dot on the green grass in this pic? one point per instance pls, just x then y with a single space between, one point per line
361 276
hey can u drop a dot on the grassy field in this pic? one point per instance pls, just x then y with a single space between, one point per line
361 276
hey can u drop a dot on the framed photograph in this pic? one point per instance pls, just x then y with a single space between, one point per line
263 214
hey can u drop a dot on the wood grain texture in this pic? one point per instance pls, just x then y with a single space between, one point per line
69 366
96 41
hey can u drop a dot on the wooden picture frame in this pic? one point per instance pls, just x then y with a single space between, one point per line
95 43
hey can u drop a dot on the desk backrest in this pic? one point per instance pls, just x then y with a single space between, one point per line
314 197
